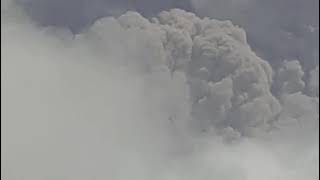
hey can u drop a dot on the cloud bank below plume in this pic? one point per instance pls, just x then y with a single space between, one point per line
174 97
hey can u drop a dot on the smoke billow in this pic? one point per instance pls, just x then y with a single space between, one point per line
174 97
277 29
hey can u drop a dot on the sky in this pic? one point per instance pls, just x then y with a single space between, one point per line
77 14
292 25
169 90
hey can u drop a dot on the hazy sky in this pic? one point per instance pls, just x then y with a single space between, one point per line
277 29
78 13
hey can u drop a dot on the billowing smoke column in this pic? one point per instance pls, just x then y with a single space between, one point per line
229 84
169 98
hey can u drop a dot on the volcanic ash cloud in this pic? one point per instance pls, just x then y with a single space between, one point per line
169 98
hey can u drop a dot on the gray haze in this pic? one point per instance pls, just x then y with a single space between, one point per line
277 29
77 14
173 97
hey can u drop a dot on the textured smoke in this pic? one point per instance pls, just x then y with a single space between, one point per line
289 78
277 29
172 97
314 82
